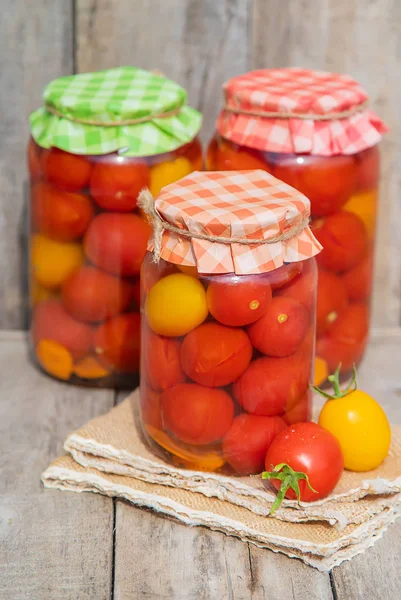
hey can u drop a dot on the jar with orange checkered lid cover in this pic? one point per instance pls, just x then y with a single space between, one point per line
315 131
228 318
96 142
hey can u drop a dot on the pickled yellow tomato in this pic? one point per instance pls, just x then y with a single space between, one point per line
52 262
168 172
175 305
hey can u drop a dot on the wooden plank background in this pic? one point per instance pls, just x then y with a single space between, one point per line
200 43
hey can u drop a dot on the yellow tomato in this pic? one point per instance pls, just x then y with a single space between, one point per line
168 172
175 305
55 359
52 262
360 425
364 205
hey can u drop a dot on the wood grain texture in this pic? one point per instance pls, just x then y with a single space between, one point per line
158 558
35 46
52 545
362 39
198 43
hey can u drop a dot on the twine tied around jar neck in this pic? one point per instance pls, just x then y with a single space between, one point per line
137 121
147 204
293 115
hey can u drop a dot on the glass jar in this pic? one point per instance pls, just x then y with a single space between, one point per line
342 186
88 239
226 357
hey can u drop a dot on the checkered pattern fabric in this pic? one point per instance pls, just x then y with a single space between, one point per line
251 204
298 91
112 96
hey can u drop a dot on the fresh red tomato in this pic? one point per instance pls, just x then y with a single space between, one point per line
308 449
161 361
52 322
344 239
331 300
238 301
358 281
115 185
215 355
91 295
63 216
246 443
196 414
117 341
65 170
117 243
268 384
281 329
328 182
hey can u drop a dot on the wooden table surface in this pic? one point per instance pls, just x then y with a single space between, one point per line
60 545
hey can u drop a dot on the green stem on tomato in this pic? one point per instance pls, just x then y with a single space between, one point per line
289 480
335 380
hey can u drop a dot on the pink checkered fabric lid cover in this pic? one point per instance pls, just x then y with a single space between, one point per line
251 204
298 91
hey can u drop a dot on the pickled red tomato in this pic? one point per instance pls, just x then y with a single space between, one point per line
335 351
238 301
246 443
281 329
61 215
161 360
117 243
33 156
302 287
328 182
215 355
52 322
346 338
344 239
298 411
196 414
331 300
367 169
284 274
358 281
115 185
352 325
92 295
150 407
117 342
230 157
67 171
269 383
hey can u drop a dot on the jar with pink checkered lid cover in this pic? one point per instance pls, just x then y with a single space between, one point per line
228 318
315 131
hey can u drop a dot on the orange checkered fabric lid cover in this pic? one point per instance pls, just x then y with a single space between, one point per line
251 205
298 111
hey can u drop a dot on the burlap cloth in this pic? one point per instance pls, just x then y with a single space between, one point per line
109 456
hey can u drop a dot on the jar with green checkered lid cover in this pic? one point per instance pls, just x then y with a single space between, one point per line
98 139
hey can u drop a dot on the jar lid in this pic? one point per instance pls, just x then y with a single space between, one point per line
298 111
239 222
137 112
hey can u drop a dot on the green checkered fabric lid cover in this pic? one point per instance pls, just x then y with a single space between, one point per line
136 112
